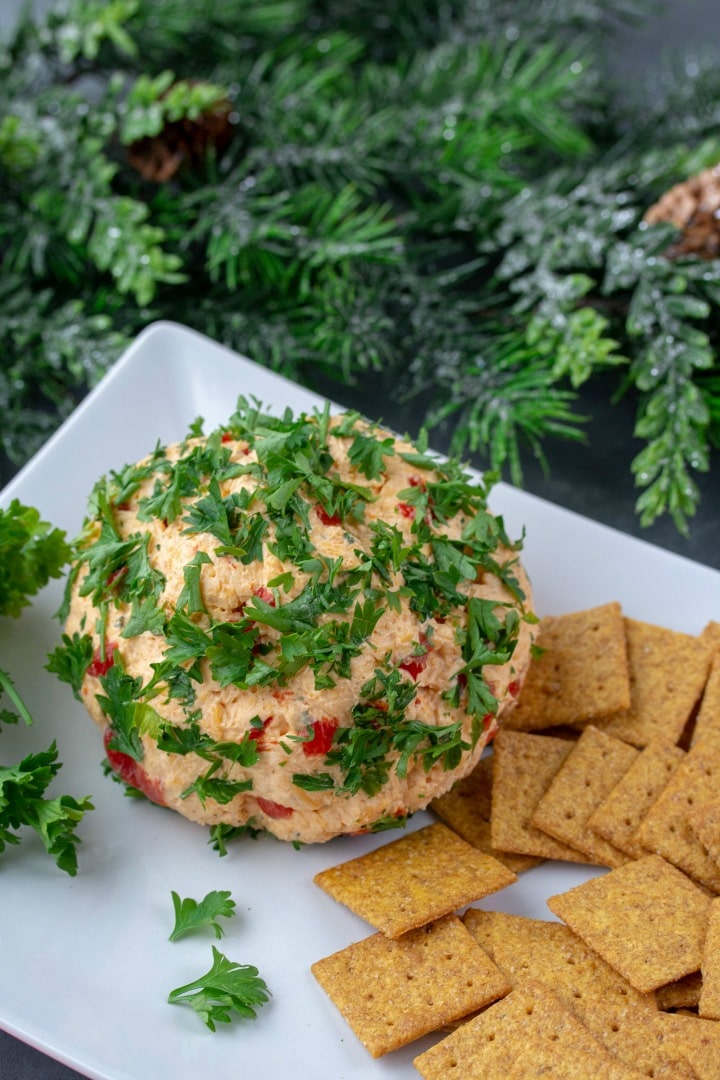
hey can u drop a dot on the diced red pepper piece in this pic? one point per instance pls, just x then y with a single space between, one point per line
116 576
281 695
514 687
257 733
263 593
418 482
327 519
406 509
100 665
131 772
323 731
415 664
273 809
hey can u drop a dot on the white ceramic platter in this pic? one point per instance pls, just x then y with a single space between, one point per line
86 961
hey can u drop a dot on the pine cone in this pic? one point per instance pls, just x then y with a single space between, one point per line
183 142
694 207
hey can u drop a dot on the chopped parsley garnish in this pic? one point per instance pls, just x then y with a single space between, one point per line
220 835
218 788
368 454
190 598
125 712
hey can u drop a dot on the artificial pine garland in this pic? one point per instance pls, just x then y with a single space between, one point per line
445 199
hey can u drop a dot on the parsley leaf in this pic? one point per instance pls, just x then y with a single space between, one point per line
247 542
120 704
218 788
166 500
221 834
71 659
211 514
367 454
186 641
313 781
31 552
226 988
174 739
190 598
232 653
23 802
145 618
191 915
317 598
118 566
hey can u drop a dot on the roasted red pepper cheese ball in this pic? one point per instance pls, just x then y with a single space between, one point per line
303 624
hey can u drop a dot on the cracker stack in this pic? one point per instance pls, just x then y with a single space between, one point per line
612 758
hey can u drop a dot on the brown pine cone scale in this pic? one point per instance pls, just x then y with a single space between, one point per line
694 207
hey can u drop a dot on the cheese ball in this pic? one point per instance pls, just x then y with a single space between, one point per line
298 624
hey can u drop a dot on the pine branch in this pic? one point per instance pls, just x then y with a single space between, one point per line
673 417
506 401
443 202
53 351
80 219
195 37
282 241
417 25
710 387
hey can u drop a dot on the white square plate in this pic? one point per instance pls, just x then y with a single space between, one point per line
86 961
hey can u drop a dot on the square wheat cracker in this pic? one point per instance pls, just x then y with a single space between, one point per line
668 670
709 1004
631 1036
704 822
646 919
589 773
391 992
415 879
666 829
619 816
581 675
711 634
550 953
708 717
467 810
525 1035
523 767
693 1039
617 1014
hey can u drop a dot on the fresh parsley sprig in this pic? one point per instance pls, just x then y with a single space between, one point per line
192 915
23 800
32 552
225 989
